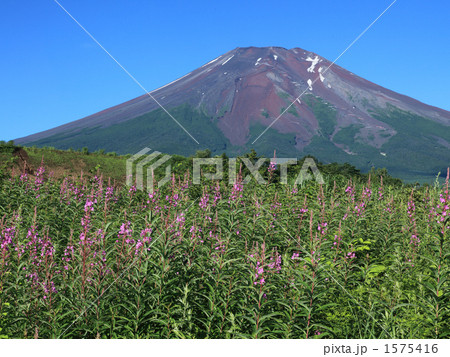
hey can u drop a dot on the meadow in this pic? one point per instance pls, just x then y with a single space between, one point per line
82 257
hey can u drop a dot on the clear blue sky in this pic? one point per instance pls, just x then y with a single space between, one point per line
53 73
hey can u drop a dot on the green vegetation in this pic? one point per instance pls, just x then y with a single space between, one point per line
283 95
154 129
7 147
267 143
292 110
414 153
347 135
223 110
415 142
71 163
288 101
324 113
352 258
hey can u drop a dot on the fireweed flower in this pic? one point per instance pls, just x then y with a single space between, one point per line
39 180
97 186
125 233
275 208
40 252
381 190
367 193
180 218
380 193
236 191
67 256
411 209
204 202
6 243
275 261
322 228
217 195
441 212
263 267
299 211
168 201
271 169
350 256
337 240
389 206
197 234
109 193
175 199
414 240
177 227
70 191
259 272
24 178
272 166
132 191
154 198
219 246
145 240
86 219
350 191
89 205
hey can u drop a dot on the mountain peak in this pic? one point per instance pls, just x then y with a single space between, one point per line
293 92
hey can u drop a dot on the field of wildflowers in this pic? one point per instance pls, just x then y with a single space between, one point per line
82 258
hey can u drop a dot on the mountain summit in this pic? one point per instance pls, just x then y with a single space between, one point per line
228 102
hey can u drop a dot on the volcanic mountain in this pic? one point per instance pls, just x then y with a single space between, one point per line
301 103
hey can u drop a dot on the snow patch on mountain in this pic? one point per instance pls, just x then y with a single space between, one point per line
314 62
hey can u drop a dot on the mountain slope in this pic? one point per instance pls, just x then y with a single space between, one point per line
227 103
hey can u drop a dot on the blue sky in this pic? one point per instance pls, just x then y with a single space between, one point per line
53 73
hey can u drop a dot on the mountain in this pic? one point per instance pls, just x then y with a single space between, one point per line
228 102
